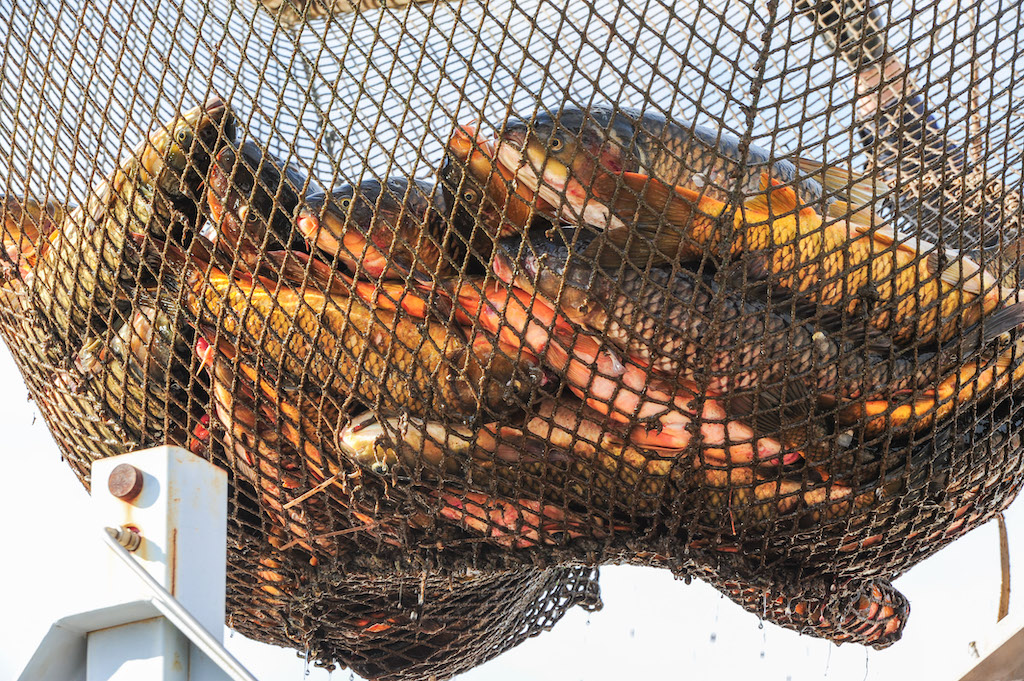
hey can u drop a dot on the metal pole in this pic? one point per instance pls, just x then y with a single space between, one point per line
179 616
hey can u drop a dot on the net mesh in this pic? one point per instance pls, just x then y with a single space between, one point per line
471 298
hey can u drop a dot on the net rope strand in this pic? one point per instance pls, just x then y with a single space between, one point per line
447 393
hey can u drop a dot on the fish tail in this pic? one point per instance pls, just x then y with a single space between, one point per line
963 273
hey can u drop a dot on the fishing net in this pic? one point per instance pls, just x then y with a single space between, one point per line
471 298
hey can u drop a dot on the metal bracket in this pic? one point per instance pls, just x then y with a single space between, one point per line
160 598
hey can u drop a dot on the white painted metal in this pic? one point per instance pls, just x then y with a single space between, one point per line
158 605
1002 653
189 626
182 516
150 649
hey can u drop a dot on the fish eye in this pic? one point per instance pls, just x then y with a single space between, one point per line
181 135
556 143
470 196
252 218
345 203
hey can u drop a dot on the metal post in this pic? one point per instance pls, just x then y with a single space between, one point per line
160 590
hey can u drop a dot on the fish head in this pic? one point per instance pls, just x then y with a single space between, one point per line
227 181
252 194
177 156
567 159
540 152
356 207
272 189
547 263
465 174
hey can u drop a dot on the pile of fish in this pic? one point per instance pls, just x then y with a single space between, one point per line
586 327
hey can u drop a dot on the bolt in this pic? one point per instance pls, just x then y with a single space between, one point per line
125 482
126 536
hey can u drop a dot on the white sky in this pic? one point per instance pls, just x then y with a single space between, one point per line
652 626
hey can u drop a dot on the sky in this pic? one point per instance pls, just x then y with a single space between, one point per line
652 626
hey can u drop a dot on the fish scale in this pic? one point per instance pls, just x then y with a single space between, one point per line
668 319
377 355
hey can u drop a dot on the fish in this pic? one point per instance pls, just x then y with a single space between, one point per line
261 445
562 452
686 325
466 461
660 415
520 523
90 265
250 216
142 373
387 230
26 222
903 286
383 359
741 505
975 381
484 199
907 287
574 159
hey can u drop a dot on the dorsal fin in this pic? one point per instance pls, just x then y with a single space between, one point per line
857 195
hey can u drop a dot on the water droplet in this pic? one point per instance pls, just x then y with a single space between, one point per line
760 624
714 637
632 633
762 654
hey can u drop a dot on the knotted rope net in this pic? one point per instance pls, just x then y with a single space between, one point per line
470 299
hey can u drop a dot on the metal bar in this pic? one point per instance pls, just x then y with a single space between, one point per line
180 617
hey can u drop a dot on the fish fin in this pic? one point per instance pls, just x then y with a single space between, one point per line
649 200
1008 258
861 219
660 215
833 322
757 268
774 200
984 332
293 266
440 306
963 272
839 181
774 409
162 298
641 245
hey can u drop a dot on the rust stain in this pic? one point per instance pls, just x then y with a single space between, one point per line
172 556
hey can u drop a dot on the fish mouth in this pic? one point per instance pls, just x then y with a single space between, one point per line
215 105
503 267
308 225
216 206
545 176
209 232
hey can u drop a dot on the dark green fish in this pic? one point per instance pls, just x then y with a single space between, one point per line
252 198
92 263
